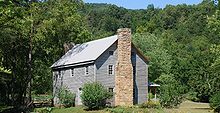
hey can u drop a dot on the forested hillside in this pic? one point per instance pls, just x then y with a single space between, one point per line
182 43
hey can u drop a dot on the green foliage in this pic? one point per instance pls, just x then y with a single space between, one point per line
127 110
215 102
150 104
150 96
192 96
42 97
44 110
66 98
170 91
182 40
94 95
43 26
152 46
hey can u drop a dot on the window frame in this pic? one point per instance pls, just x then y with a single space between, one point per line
59 74
86 70
72 72
110 89
110 69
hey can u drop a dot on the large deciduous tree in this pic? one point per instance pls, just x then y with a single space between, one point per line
32 36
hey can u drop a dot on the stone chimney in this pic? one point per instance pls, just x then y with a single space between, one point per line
124 69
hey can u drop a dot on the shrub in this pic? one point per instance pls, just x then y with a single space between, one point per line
66 98
215 102
150 96
150 104
192 96
170 91
43 110
94 95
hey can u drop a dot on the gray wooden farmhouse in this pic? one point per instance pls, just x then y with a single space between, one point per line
113 61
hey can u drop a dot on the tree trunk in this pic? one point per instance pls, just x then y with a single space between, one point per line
29 99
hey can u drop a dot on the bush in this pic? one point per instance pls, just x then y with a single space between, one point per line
150 96
192 96
170 91
215 102
150 104
66 98
43 110
94 95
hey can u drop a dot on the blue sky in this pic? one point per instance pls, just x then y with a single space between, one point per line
142 4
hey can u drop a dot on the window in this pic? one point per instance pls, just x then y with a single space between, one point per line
86 70
110 90
59 74
111 52
72 72
110 70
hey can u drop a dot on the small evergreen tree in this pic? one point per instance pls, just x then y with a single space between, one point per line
94 95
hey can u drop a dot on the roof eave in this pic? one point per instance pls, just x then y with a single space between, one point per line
72 65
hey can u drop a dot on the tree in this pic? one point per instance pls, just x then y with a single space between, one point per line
33 34
215 102
152 46
170 91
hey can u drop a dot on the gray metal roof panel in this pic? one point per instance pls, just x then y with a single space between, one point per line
86 52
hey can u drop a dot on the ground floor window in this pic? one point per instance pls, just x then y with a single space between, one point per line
110 90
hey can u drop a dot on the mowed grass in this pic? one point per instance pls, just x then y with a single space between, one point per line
191 107
185 107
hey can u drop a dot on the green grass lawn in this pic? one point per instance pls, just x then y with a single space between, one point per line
185 107
191 107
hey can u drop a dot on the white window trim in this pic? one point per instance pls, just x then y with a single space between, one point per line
113 71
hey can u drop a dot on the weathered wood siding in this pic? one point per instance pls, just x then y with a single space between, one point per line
141 80
102 64
99 72
73 83
140 75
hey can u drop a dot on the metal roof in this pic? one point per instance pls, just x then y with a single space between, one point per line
151 84
85 52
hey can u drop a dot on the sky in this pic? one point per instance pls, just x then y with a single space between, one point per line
142 4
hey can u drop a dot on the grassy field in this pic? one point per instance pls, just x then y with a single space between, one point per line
185 107
191 107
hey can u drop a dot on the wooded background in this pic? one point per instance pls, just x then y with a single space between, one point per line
182 43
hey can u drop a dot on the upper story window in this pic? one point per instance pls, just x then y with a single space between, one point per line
86 70
72 72
59 74
111 52
110 69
